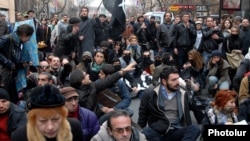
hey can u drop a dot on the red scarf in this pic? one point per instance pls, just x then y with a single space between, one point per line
74 114
4 135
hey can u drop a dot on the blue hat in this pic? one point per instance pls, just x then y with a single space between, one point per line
216 53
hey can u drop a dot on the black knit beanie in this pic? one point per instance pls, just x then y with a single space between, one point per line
4 94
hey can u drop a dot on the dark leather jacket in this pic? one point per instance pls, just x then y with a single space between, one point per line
185 37
210 44
165 35
17 118
10 55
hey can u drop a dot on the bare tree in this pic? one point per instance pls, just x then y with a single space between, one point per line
164 4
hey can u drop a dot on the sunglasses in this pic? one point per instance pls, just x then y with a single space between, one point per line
121 130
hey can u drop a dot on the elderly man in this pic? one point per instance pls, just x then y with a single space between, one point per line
88 119
11 116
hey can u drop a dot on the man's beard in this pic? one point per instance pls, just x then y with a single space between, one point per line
172 89
84 18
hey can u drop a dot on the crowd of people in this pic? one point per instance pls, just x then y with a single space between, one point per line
86 79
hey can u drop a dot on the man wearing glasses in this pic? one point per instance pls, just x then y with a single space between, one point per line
119 127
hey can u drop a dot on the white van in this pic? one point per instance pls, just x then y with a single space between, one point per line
159 16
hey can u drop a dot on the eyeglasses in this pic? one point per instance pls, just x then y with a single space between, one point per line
75 98
43 67
121 130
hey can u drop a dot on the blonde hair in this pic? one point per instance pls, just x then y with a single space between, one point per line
33 134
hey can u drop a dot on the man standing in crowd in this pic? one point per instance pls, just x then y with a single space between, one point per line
164 110
165 34
11 116
185 35
87 32
11 51
4 26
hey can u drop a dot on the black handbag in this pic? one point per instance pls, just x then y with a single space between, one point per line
185 74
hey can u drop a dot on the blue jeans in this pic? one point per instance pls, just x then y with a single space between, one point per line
190 133
212 80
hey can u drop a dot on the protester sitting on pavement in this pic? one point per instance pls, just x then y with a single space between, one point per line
244 112
132 83
119 88
119 126
94 67
218 73
88 90
47 118
223 110
11 116
164 110
88 119
86 60
244 92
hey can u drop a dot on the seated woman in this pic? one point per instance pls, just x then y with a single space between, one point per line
223 110
194 67
218 73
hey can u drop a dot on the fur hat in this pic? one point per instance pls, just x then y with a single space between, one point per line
4 94
216 53
68 92
46 96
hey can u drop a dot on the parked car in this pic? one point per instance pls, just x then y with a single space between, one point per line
159 16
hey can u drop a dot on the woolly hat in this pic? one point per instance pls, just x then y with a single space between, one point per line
68 92
74 20
4 94
46 96
108 69
87 53
216 53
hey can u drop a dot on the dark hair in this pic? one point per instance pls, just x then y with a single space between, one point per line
167 13
115 59
165 57
167 71
139 18
115 114
49 75
24 29
104 44
84 7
